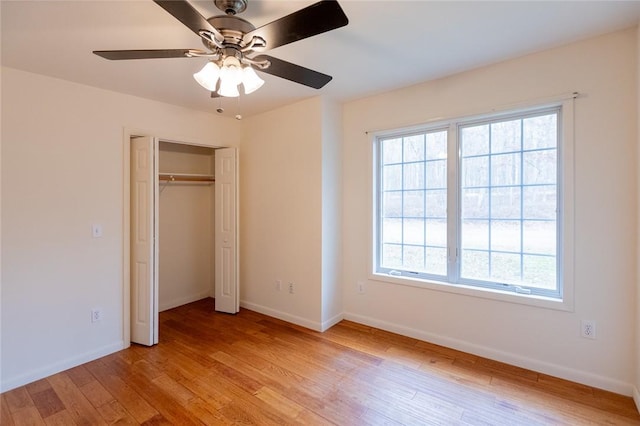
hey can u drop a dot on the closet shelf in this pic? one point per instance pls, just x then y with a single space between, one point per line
184 177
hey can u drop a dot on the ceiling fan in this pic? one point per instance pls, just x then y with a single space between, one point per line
234 45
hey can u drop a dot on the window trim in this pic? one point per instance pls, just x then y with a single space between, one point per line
565 188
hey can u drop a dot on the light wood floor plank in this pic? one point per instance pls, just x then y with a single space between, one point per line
5 414
218 369
27 416
78 407
133 402
61 418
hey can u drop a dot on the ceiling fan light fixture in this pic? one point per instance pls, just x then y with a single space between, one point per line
208 76
231 43
250 80
228 86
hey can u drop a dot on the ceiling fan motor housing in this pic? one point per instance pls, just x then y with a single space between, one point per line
231 7
231 27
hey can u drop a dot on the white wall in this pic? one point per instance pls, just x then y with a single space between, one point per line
331 214
603 69
281 212
290 189
62 170
186 235
636 390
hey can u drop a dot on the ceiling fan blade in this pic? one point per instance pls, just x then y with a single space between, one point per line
326 15
185 13
146 54
294 72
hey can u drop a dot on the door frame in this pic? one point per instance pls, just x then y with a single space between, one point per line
128 133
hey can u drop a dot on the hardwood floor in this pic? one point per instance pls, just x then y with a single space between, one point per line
212 368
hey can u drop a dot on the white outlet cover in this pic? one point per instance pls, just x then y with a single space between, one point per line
96 315
588 329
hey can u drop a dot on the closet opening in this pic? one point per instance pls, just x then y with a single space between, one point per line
182 217
186 215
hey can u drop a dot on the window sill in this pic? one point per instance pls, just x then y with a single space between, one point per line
484 293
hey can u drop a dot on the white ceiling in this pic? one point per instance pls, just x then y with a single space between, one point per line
387 44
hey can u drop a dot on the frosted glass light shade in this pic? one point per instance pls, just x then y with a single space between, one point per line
225 78
233 73
250 80
207 77
228 88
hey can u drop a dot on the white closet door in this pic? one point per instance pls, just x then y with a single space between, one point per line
226 222
143 252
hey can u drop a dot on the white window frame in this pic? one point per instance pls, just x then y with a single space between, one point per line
565 188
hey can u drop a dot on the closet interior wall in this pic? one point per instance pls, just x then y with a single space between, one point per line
186 225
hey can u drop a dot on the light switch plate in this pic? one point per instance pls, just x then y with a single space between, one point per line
96 230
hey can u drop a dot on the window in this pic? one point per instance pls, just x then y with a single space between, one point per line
473 203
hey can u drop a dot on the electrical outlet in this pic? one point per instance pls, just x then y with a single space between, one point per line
291 288
361 288
279 285
96 315
588 329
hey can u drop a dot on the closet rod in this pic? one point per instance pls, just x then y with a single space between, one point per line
185 178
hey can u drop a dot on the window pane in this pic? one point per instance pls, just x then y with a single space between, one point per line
392 231
407 166
475 203
413 204
475 264
413 258
437 174
475 172
414 148
540 132
539 202
436 232
519 202
392 204
505 235
436 261
474 140
540 271
505 169
505 267
436 145
540 167
391 256
413 231
413 176
391 151
475 234
505 136
392 177
505 202
539 237
436 203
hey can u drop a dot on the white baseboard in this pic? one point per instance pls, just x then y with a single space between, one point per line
40 373
636 397
303 322
331 322
555 370
163 306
